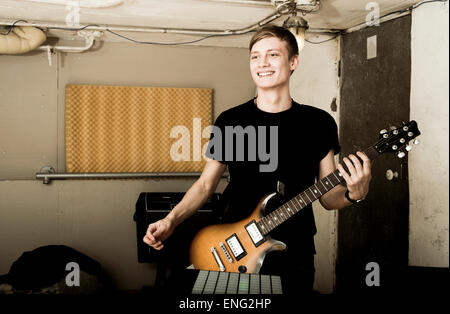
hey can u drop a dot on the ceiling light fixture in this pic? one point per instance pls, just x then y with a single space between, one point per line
297 26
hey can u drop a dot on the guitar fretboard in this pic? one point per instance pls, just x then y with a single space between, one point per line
297 203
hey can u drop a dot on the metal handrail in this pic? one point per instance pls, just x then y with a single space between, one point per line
47 177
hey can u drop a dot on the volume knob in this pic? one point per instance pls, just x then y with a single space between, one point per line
242 269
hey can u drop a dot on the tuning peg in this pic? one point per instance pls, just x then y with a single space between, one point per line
384 133
416 142
392 127
408 148
394 147
401 154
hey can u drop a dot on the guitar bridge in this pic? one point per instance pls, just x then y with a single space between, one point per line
225 251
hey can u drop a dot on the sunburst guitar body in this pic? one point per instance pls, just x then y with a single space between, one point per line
236 247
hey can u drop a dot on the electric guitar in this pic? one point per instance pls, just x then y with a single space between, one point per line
242 246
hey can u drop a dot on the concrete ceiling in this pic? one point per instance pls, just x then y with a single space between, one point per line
183 14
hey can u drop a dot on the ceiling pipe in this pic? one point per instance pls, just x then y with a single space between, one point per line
92 4
261 3
21 39
89 36
184 31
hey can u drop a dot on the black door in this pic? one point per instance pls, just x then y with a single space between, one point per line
375 94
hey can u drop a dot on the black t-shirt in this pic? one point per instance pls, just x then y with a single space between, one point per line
262 148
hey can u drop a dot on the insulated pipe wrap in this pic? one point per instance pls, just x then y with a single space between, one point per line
21 40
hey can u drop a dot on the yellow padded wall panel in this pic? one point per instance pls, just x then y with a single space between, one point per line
127 128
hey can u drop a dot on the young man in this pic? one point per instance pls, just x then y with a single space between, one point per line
304 140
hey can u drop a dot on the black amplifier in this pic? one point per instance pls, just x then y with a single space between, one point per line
151 207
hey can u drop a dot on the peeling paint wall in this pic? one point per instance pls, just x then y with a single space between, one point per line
429 162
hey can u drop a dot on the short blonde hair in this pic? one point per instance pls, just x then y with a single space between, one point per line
279 32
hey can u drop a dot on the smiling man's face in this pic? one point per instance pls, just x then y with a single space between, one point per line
270 65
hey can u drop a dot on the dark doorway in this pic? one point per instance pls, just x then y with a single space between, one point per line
375 95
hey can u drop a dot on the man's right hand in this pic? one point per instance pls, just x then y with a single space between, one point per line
194 199
157 232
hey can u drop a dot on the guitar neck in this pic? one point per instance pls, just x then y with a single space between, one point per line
297 203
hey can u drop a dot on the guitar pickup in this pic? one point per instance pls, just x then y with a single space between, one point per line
254 233
236 247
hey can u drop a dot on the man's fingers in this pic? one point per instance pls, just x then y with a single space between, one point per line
344 173
149 240
362 156
356 164
350 167
154 231
157 232
366 163
152 228
153 242
146 240
151 237
151 234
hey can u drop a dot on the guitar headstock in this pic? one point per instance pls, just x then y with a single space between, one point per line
396 138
